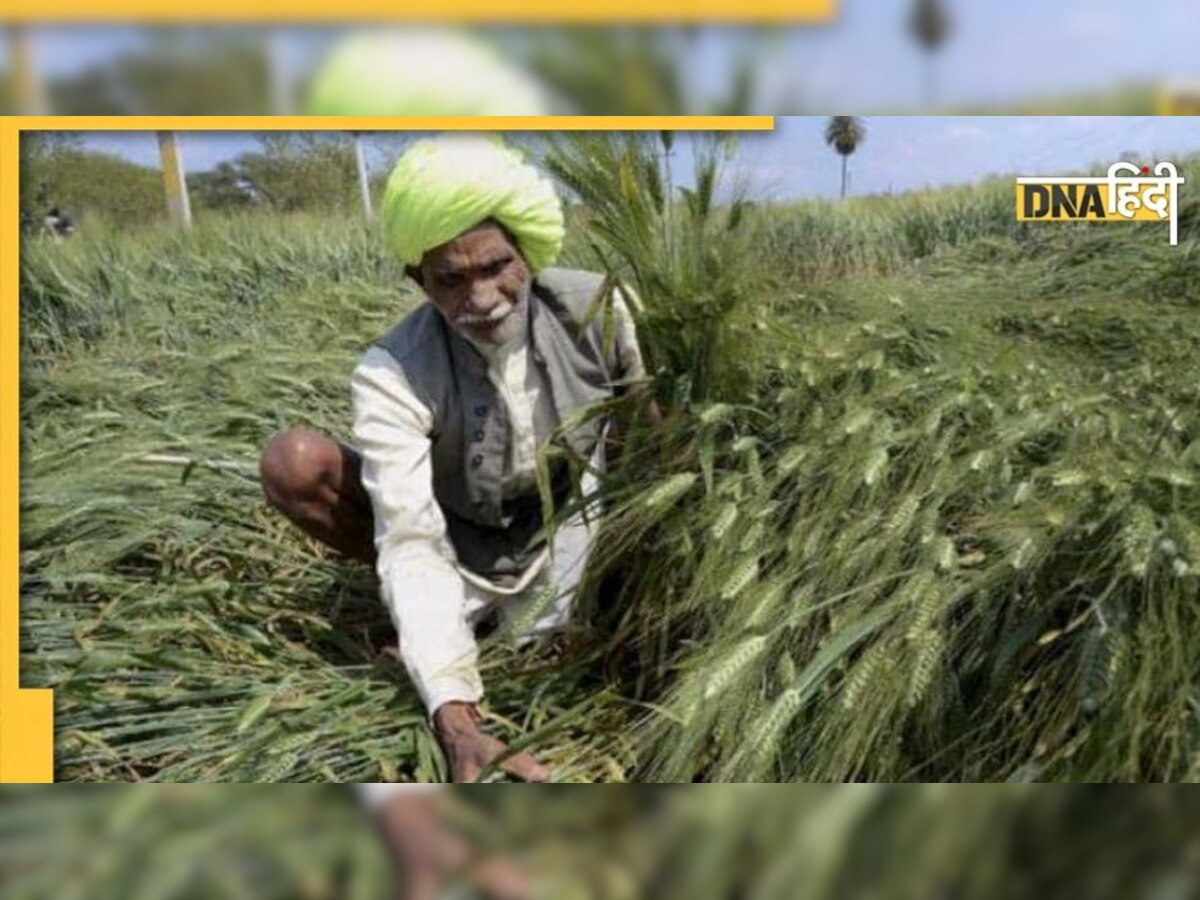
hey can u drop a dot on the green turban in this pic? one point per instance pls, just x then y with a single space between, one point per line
421 72
444 186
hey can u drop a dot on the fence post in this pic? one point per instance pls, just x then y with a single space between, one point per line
279 72
28 94
178 205
364 180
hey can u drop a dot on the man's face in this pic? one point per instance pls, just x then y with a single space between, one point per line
480 283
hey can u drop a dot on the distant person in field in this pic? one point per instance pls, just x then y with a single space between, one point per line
58 224
54 223
451 408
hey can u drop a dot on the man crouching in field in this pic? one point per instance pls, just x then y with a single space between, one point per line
450 410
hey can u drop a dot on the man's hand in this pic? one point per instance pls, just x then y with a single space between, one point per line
470 751
429 856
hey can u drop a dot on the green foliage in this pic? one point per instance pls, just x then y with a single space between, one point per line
845 133
228 186
973 231
638 72
55 171
178 72
801 842
292 172
930 24
301 171
692 262
180 842
914 484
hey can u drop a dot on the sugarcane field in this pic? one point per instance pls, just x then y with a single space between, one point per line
907 490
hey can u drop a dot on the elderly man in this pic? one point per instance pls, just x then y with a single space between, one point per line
450 410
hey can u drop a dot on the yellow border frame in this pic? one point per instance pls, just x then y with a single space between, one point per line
510 11
390 123
27 716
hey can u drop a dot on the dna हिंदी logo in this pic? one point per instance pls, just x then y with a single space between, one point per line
1129 193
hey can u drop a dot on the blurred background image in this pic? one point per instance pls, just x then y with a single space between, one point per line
801 842
895 56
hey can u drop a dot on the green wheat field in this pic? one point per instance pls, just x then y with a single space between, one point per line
926 506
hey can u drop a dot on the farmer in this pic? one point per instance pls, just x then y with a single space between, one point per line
58 224
55 224
450 410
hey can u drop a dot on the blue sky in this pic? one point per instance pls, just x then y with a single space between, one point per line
900 153
909 152
1001 50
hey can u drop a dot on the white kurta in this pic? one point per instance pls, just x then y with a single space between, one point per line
435 603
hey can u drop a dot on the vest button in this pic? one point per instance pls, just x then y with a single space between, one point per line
479 435
476 462
481 411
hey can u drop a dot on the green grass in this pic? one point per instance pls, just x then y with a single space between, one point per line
926 506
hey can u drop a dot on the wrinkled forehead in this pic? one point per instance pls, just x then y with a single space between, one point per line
486 243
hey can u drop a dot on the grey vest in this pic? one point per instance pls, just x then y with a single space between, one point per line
493 537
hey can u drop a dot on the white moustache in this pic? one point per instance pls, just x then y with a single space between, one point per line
498 314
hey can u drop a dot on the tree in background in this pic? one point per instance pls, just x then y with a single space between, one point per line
636 72
180 72
37 152
224 187
57 172
844 134
291 172
302 170
931 26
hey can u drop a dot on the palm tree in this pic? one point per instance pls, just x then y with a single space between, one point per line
931 25
844 134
